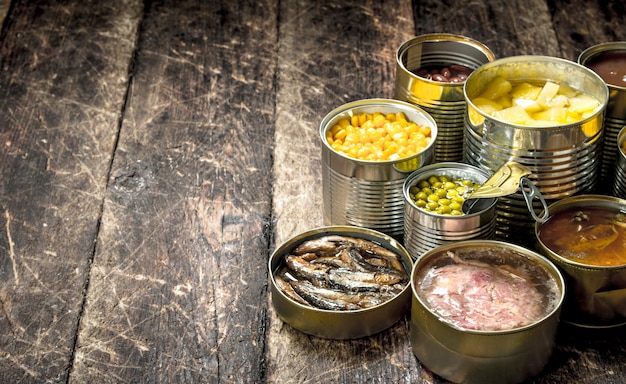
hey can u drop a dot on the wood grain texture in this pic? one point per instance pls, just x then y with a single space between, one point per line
154 153
508 28
579 26
62 96
179 281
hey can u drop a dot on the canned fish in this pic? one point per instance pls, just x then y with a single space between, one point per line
451 335
564 158
424 230
297 309
448 55
368 193
609 60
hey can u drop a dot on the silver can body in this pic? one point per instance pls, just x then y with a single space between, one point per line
619 179
425 230
443 101
481 356
369 193
564 160
615 115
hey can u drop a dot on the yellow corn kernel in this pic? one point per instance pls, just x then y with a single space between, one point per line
343 123
379 120
367 124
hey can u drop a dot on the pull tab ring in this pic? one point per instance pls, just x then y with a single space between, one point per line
530 191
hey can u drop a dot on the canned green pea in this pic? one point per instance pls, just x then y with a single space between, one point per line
433 214
442 194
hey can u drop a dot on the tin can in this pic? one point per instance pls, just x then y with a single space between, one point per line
443 101
619 179
564 159
336 324
425 230
463 355
596 294
369 193
615 116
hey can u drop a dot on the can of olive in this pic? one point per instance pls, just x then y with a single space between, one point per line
430 72
444 186
365 190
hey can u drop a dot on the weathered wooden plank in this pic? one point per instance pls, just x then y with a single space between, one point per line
508 28
4 9
179 281
330 53
579 25
63 82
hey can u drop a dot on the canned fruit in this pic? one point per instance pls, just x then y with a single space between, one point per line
378 137
623 147
534 104
454 73
442 194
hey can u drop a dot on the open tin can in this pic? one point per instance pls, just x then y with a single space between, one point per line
453 329
424 230
339 324
444 101
585 236
368 193
607 59
564 159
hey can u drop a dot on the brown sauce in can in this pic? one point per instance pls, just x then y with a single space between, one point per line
610 66
587 235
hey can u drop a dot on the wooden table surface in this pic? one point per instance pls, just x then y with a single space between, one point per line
153 154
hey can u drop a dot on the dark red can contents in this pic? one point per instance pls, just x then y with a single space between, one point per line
453 73
610 66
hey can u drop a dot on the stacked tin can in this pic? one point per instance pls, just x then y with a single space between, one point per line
611 57
444 101
564 159
369 193
619 179
424 230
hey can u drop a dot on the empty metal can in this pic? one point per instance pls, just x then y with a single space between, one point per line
607 60
369 193
564 159
425 230
444 101
619 179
